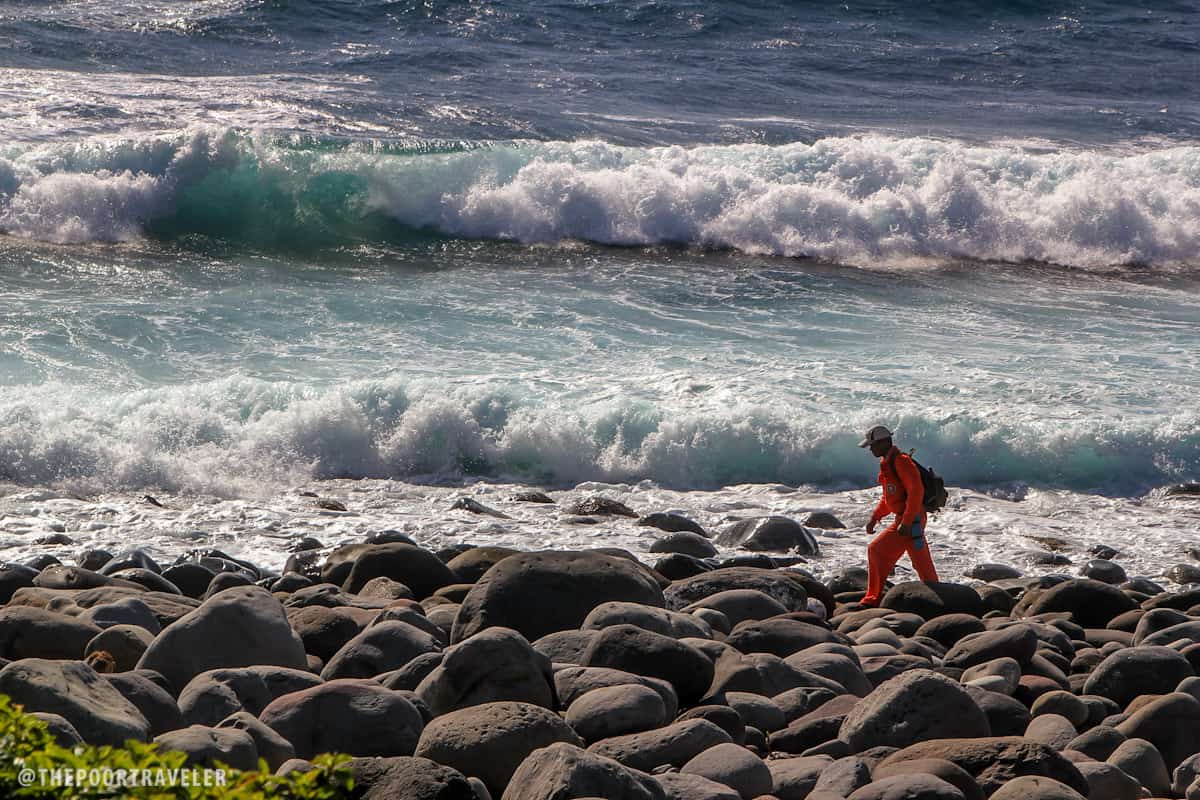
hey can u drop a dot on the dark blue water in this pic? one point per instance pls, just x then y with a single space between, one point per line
630 73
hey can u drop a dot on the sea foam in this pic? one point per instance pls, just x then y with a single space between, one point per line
866 200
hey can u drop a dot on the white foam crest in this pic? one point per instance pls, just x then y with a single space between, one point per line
245 436
858 199
869 200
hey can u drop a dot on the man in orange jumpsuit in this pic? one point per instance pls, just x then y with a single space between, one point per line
903 495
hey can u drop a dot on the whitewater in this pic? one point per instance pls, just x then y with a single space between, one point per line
679 254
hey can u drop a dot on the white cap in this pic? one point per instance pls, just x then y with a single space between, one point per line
876 434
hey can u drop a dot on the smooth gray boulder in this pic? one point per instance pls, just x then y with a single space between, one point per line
676 744
564 771
408 778
494 665
734 766
77 693
240 627
359 718
1136 671
27 632
547 591
380 648
212 696
490 741
206 747
915 706
616 710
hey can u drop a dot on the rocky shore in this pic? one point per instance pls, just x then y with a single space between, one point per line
486 672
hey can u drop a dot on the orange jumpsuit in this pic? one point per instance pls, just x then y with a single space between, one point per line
903 495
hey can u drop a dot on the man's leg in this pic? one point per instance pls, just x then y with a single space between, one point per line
882 554
918 553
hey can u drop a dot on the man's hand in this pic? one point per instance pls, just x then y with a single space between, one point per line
904 529
871 527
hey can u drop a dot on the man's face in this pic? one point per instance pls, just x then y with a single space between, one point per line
880 448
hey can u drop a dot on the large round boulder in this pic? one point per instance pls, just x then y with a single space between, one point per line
409 778
490 741
1138 670
418 569
547 591
380 648
643 652
494 665
1092 604
995 761
915 706
734 766
205 747
931 600
676 744
27 632
239 627
212 696
615 711
563 770
786 589
774 534
78 694
359 718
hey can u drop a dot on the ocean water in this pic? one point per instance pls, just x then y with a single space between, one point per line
683 253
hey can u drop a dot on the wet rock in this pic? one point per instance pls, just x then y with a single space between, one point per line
192 579
243 626
359 718
691 544
672 523
676 744
490 741
994 762
1103 551
205 747
993 572
214 695
597 505
1135 671
496 665
1104 571
532 496
823 520
77 693
563 770
1183 574
547 591
774 533
733 766
678 566
14 576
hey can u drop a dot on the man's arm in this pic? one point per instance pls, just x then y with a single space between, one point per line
914 490
881 511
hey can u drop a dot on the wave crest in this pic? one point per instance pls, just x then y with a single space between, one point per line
867 200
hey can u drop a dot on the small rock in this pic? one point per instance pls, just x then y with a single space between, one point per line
672 523
475 507
532 496
823 520
598 505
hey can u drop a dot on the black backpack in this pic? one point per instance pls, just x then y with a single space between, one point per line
935 488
